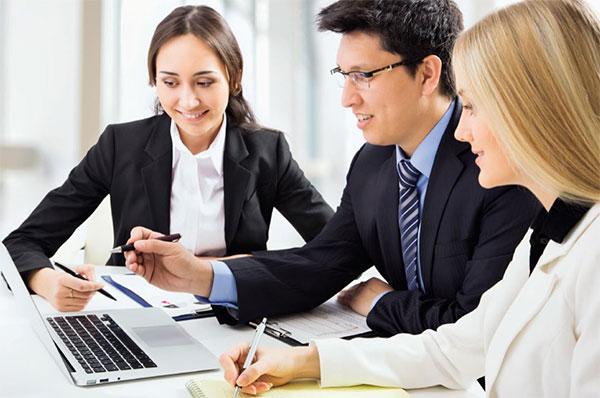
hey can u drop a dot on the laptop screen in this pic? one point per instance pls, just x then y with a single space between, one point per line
26 306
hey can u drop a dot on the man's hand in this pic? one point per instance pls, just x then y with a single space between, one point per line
168 265
360 296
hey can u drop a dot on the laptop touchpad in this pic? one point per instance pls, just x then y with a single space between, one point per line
163 336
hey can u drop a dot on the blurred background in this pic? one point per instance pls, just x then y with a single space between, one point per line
70 67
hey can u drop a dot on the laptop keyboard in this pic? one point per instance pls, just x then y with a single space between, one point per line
99 344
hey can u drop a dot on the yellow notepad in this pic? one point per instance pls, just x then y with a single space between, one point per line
207 388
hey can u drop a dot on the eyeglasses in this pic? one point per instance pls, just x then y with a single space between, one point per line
362 80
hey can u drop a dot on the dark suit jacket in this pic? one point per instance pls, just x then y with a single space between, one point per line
468 235
132 162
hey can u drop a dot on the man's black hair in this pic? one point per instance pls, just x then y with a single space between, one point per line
413 29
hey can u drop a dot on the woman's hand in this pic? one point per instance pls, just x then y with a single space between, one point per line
272 367
65 292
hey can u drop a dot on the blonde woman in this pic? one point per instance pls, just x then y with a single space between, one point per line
529 77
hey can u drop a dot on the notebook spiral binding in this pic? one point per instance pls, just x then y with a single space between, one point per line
195 389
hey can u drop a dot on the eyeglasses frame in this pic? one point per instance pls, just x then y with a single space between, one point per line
375 72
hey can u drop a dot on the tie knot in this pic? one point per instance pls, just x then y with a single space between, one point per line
408 174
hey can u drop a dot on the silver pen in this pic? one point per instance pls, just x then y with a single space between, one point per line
260 329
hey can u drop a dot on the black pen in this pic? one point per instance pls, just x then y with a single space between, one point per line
76 275
130 247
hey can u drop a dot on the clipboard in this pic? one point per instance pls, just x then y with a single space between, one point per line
330 319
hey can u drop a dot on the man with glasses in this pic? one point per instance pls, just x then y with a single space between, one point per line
412 206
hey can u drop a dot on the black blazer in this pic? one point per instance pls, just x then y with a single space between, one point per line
132 162
468 235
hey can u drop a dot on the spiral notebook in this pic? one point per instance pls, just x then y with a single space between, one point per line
210 388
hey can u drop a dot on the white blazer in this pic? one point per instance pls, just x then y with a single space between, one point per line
532 336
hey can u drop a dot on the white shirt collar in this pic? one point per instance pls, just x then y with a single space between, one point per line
214 152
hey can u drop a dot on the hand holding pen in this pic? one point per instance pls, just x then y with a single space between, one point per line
167 265
129 246
79 276
271 366
260 329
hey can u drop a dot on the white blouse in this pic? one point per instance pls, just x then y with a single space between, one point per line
197 206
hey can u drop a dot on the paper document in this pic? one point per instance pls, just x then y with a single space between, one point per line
201 388
172 303
331 319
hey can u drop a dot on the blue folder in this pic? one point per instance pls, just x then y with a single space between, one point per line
138 299
128 292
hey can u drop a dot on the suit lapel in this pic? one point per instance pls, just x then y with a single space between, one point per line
157 174
387 222
236 179
446 169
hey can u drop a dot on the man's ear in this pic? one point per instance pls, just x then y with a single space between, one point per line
429 72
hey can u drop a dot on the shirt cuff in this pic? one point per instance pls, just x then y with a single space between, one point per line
224 288
374 303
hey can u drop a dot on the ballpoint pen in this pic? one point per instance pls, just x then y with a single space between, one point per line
129 246
76 275
260 329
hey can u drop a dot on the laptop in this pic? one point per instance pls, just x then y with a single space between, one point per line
93 347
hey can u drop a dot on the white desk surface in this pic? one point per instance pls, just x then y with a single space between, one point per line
27 370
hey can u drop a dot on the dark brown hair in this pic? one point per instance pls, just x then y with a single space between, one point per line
207 25
412 29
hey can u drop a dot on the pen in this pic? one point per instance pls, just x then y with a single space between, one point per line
193 315
76 275
130 247
260 329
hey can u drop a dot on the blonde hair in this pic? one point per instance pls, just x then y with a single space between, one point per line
534 70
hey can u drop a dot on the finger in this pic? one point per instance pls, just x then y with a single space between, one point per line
342 297
130 257
154 246
354 288
133 267
346 295
262 386
231 360
230 369
253 372
67 293
138 233
251 389
69 304
79 284
74 301
72 293
257 388
141 271
87 270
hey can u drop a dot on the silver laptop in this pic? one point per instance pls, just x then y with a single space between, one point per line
93 347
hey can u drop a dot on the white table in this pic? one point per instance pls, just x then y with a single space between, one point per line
27 370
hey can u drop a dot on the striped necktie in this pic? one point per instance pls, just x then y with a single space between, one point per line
408 219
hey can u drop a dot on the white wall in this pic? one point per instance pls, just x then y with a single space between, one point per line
40 69
286 80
